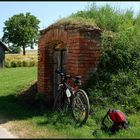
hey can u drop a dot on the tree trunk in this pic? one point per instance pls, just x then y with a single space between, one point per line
24 52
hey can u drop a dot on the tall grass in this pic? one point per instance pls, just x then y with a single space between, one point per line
107 17
18 60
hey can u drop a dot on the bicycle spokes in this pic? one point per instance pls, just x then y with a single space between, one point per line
72 99
79 108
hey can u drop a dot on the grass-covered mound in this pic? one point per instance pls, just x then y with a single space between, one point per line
117 78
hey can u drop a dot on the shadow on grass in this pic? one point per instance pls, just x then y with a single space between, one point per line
11 108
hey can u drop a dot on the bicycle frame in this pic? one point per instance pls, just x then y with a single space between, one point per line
70 95
67 84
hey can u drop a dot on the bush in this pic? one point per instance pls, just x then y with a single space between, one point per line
15 49
107 17
117 77
13 64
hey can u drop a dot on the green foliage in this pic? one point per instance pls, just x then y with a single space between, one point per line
21 31
15 49
107 17
116 80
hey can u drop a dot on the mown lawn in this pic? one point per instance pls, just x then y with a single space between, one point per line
40 122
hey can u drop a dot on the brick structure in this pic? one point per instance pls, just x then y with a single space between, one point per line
3 49
82 46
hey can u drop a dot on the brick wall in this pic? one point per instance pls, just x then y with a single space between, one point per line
83 53
2 57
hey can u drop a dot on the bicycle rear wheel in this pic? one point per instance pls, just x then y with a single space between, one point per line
80 106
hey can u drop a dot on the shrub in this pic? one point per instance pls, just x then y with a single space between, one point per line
13 64
117 77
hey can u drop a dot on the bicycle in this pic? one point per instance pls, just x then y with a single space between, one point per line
70 96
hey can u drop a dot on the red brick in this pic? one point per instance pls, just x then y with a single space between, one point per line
83 54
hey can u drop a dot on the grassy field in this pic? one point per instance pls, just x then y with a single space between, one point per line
40 122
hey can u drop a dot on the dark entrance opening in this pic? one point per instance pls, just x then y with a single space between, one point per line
60 64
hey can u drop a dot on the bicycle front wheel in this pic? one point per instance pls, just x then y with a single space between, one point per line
80 106
58 102
61 103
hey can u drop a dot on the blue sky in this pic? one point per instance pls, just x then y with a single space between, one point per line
49 12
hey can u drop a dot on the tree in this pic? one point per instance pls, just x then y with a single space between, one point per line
15 49
21 30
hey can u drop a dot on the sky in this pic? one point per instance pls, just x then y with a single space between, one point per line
50 12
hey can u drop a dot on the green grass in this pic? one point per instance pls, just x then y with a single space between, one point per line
15 79
40 122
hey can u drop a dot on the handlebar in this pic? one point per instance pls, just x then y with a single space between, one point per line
60 73
76 78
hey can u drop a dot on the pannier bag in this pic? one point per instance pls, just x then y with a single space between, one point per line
117 119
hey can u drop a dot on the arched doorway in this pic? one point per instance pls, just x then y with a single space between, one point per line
59 58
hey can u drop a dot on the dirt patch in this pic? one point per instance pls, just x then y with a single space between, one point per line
15 128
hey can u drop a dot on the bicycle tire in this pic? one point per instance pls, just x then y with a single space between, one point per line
85 101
